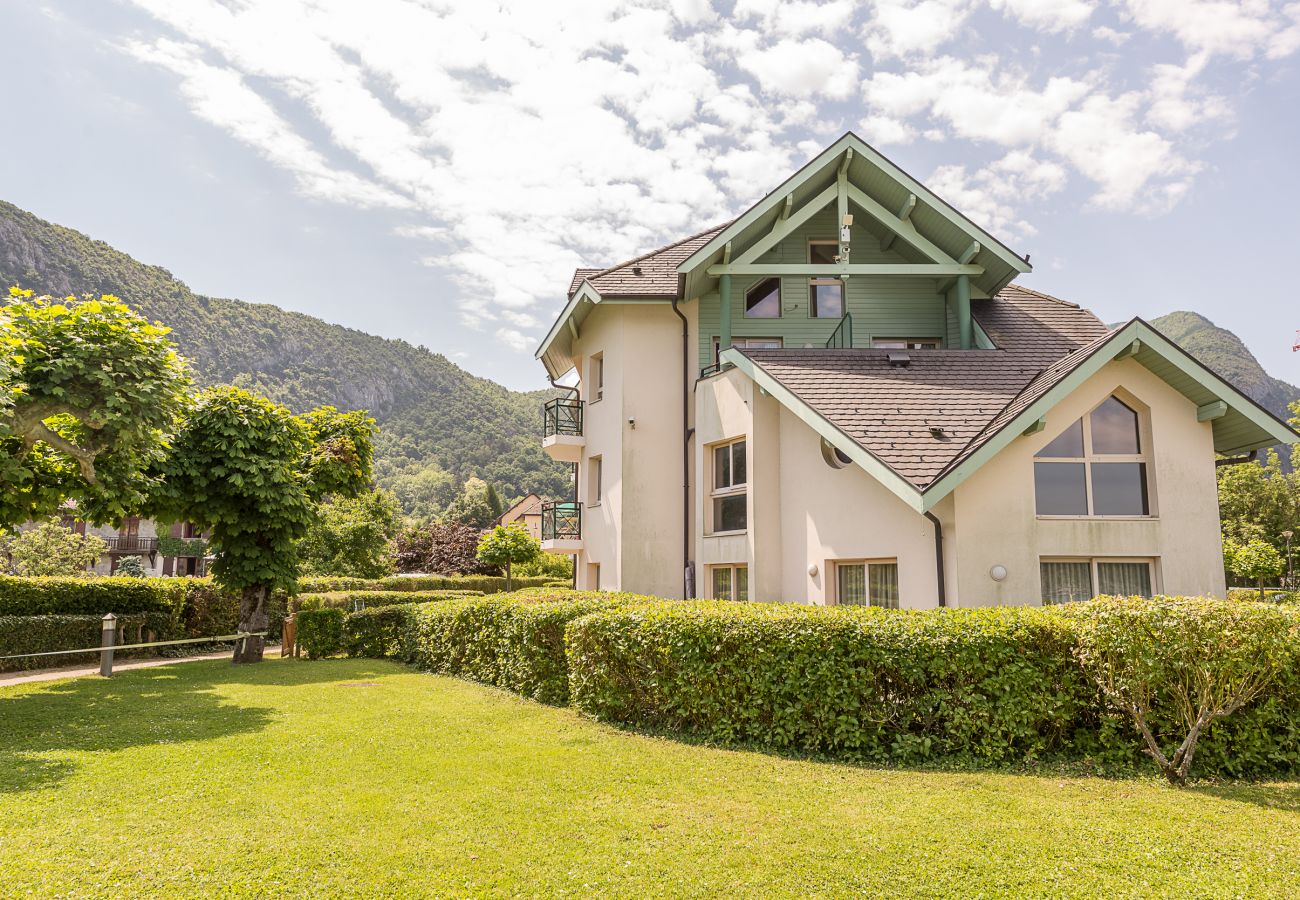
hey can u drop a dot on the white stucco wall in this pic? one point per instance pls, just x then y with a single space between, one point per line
995 516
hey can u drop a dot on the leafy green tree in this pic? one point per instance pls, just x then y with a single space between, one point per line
248 473
1255 560
508 546
88 391
1259 501
52 549
352 536
130 567
551 565
473 505
422 489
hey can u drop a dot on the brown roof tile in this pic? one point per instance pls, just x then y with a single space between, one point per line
652 274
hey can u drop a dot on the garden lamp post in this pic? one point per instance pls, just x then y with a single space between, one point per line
107 640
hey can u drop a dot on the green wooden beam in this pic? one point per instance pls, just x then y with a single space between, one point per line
1208 412
916 270
1131 350
961 294
970 252
902 227
573 328
786 207
724 326
899 486
784 227
904 215
1035 426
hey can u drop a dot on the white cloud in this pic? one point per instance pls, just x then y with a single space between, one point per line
1110 35
908 27
986 195
802 68
1237 28
1048 15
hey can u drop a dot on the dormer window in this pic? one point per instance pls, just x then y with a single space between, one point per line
763 300
825 295
1096 467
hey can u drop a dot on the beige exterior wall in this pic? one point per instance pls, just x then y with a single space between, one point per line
996 522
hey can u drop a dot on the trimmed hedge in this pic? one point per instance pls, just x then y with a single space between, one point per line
90 596
320 631
996 684
487 584
348 600
380 632
39 634
1271 595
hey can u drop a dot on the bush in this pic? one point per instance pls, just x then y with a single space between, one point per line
210 610
58 595
382 632
440 547
351 600
40 634
996 684
487 584
320 631
1271 595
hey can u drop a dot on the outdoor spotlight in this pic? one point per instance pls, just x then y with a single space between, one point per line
998 573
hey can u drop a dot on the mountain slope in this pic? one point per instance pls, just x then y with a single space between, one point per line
429 409
1224 352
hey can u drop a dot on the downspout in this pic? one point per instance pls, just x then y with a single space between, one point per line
577 395
938 556
688 569
1237 460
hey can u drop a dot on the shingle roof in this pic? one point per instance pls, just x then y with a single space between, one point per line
657 276
890 410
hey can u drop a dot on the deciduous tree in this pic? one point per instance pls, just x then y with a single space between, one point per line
508 546
352 536
52 549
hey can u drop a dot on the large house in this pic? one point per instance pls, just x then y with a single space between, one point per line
164 550
841 397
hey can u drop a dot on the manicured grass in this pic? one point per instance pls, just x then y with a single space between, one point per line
361 778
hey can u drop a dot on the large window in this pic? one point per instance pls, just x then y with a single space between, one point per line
1096 467
729 487
763 300
887 343
730 582
753 343
867 583
1068 580
825 295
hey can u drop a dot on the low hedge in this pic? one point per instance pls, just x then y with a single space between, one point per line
23 596
487 584
40 634
320 631
350 600
380 632
1271 595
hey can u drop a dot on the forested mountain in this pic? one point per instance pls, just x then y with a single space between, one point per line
439 424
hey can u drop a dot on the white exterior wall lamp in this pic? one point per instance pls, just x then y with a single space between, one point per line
998 573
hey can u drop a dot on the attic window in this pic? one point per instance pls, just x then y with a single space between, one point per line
1096 467
834 456
825 295
763 300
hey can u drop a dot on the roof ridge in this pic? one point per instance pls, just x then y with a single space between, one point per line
1028 290
656 252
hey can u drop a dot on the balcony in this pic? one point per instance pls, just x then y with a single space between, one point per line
562 527
131 545
562 430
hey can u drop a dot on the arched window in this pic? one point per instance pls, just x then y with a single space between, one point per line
1096 467
763 300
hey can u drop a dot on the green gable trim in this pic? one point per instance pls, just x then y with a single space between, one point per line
899 486
1243 418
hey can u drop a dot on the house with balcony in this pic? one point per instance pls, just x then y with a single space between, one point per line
842 397
164 550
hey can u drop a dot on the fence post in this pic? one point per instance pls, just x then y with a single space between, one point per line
108 636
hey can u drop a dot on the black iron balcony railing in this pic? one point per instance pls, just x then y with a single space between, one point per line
842 337
561 521
128 543
562 416
714 369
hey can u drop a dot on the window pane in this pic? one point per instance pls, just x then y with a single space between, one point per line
721 583
884 585
729 513
1119 489
823 254
1060 489
1068 444
1124 579
1065 582
742 582
763 300
1114 428
722 467
738 474
851 589
827 300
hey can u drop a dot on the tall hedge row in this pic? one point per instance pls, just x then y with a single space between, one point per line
41 634
487 584
352 600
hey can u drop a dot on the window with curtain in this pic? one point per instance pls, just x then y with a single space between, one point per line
867 584
1070 580
730 582
1096 467
730 482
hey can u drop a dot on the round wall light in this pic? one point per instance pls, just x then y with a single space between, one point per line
998 573
812 571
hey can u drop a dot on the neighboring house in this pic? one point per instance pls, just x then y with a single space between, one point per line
761 415
140 537
527 512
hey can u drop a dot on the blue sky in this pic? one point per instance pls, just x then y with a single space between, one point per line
435 170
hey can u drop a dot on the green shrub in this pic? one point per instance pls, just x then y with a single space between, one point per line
40 634
558 584
487 584
351 600
1175 666
997 684
91 596
381 632
209 610
1271 595
320 631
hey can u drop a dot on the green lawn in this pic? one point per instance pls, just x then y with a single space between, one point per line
361 778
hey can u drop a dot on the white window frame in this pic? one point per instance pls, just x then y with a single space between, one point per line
595 480
1089 458
813 282
747 341
596 373
866 563
911 343
732 490
1152 564
780 298
734 569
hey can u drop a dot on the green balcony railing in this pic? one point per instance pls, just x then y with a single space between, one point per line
562 521
562 416
842 337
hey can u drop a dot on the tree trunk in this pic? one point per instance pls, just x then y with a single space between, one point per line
252 617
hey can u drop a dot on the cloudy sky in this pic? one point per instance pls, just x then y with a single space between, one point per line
434 170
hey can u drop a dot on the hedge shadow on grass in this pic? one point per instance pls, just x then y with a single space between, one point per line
134 708
1285 797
